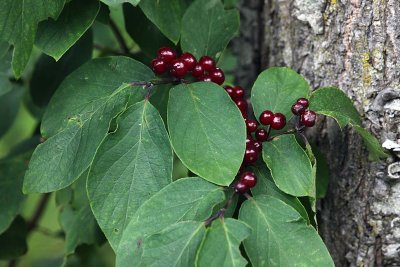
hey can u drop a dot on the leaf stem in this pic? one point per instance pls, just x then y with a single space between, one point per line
120 39
220 212
290 131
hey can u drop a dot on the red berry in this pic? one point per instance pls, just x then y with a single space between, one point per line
229 90
298 109
242 105
189 60
258 146
251 154
251 125
167 54
303 101
266 117
207 63
178 68
278 121
217 76
204 78
261 135
308 118
249 140
238 92
249 179
240 187
197 71
159 66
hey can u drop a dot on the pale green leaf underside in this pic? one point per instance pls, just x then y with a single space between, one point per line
207 131
280 236
131 165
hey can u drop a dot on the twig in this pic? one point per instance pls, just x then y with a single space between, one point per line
119 37
282 133
107 49
221 212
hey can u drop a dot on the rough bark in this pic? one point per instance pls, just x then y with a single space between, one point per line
354 45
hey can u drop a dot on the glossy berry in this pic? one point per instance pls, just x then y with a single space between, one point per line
298 109
303 101
251 125
167 54
198 71
217 76
207 63
261 135
249 179
241 104
308 118
178 68
238 92
251 154
229 90
249 140
159 66
258 146
266 117
240 187
204 78
189 60
278 121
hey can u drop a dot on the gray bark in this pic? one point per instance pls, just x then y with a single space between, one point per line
354 45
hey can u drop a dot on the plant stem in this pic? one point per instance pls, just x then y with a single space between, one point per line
221 212
282 133
119 37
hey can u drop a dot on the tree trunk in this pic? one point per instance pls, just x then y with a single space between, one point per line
354 45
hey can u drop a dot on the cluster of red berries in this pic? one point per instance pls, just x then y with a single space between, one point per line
237 95
203 70
307 117
246 181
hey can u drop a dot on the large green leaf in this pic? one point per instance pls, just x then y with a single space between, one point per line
78 117
166 15
266 186
276 89
10 103
280 236
13 241
332 102
18 25
131 164
220 247
207 28
290 166
207 131
55 37
175 246
183 200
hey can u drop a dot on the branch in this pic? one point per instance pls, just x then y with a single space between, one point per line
282 133
221 212
119 37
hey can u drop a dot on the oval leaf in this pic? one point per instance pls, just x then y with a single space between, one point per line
280 236
290 166
207 131
131 164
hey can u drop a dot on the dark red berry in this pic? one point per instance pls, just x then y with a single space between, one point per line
217 76
249 140
251 154
303 101
241 104
258 146
198 71
167 54
238 92
261 135
308 118
204 78
207 63
266 117
241 187
229 90
251 125
159 66
249 179
244 114
189 60
278 121
298 109
178 68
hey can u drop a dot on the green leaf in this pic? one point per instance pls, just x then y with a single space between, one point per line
132 164
322 174
11 177
48 74
290 166
221 244
182 238
207 131
208 28
10 103
280 236
55 37
13 241
78 117
18 25
183 200
276 89
117 2
266 186
166 15
332 102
